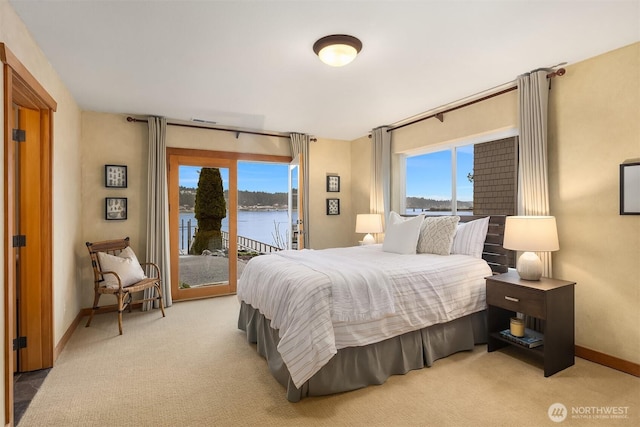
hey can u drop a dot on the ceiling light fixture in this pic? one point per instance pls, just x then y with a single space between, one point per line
338 49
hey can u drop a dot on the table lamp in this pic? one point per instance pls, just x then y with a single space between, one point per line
529 234
368 223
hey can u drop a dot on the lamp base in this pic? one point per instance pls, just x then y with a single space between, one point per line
529 266
368 239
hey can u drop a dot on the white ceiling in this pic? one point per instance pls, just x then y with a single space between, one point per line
250 64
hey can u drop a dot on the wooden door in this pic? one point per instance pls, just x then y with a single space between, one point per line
33 353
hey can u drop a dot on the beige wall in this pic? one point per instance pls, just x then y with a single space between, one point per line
206 139
330 157
360 182
67 208
594 126
110 139
473 123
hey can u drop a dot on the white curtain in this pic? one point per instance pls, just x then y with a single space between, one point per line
158 208
380 189
300 147
533 183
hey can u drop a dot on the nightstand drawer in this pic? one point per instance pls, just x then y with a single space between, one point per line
516 298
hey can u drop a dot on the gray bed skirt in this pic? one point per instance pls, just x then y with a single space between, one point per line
356 367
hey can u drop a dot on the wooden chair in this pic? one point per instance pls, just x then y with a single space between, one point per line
104 284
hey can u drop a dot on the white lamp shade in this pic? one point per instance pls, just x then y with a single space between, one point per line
369 223
531 233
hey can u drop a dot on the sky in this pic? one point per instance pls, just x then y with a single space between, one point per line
429 175
252 176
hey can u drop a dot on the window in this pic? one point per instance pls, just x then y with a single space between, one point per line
440 182
479 177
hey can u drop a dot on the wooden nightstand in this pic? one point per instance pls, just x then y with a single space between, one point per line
549 300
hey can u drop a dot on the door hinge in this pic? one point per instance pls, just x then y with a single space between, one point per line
19 241
19 135
20 342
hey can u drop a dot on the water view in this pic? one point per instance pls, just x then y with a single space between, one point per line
258 225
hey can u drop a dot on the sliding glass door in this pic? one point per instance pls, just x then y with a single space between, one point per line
217 227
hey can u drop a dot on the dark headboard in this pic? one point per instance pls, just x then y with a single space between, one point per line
494 253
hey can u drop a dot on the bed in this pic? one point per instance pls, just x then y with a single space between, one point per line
336 320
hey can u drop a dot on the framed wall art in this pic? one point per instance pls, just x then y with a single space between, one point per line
630 188
333 206
115 208
333 184
115 176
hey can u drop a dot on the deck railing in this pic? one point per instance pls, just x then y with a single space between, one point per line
188 231
247 244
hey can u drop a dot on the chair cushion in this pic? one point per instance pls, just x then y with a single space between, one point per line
125 265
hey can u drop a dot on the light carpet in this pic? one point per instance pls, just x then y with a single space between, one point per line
195 368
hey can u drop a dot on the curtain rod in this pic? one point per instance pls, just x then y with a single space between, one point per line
236 131
439 115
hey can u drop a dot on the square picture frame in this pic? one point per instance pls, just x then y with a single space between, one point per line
333 184
333 206
115 176
115 208
630 188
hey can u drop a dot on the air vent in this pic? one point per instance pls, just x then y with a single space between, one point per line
211 122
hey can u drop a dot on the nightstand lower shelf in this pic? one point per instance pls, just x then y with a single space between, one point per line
496 336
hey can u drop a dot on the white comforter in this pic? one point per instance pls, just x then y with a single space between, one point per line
359 291
298 297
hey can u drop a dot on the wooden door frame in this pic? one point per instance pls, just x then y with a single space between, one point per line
22 89
174 161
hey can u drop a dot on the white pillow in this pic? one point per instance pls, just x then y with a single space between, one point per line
125 265
470 237
436 235
401 234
